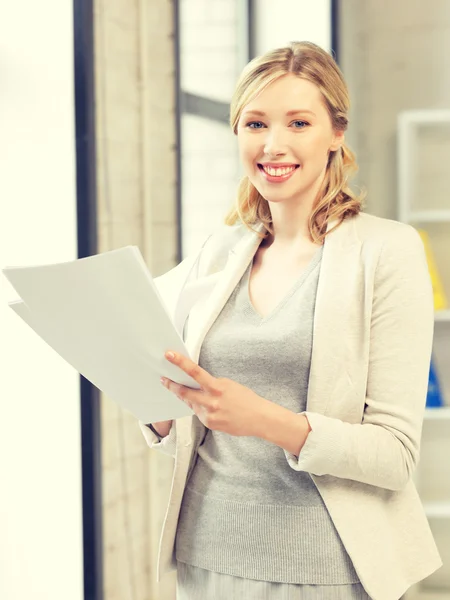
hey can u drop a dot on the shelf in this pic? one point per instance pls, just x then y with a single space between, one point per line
437 510
424 594
442 315
437 414
424 117
429 216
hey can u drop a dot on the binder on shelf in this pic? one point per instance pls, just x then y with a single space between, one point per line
434 393
440 300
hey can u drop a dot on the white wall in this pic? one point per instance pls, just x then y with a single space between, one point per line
40 463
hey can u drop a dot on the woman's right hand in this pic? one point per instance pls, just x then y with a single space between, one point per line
163 427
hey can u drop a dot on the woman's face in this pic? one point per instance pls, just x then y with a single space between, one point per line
284 137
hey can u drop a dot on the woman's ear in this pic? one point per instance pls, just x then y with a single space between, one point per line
338 140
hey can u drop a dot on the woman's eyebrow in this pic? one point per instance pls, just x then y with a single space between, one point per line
300 111
290 113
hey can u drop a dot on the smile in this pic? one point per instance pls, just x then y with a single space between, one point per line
277 174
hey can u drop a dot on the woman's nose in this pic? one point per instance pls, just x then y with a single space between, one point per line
274 144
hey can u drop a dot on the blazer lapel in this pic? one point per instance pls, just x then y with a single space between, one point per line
190 295
204 313
337 310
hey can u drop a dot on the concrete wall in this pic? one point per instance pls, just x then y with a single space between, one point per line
134 70
394 57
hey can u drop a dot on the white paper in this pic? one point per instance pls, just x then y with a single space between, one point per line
104 316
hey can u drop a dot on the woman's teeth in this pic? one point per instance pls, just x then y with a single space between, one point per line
278 171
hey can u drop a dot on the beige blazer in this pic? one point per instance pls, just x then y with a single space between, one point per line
372 344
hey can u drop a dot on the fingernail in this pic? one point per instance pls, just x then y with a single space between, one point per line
170 355
163 381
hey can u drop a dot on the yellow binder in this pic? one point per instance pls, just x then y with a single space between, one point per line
440 300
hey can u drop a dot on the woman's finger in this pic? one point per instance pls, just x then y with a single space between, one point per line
202 377
187 394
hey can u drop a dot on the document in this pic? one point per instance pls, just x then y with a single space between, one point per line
104 315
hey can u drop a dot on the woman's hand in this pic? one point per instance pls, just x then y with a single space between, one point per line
221 404
225 405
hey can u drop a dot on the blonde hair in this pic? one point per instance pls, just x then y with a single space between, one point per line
335 199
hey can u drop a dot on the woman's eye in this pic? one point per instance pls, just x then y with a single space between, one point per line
300 124
255 125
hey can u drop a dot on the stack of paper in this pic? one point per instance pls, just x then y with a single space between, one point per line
103 314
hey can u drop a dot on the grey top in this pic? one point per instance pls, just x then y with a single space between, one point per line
245 512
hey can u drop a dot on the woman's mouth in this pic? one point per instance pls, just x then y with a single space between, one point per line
278 173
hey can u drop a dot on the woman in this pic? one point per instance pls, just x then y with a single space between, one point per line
312 325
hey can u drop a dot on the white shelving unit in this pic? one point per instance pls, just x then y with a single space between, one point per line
408 126
437 420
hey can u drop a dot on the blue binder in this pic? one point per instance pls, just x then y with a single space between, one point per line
434 393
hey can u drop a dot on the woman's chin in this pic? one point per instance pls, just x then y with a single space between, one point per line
275 194
280 198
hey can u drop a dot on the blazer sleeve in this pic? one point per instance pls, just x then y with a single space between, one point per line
384 449
167 445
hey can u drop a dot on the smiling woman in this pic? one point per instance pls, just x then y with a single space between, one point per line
309 327
289 111
281 148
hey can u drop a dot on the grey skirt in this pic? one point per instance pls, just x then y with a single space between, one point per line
194 583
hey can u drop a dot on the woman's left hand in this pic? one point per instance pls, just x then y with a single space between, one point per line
221 404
